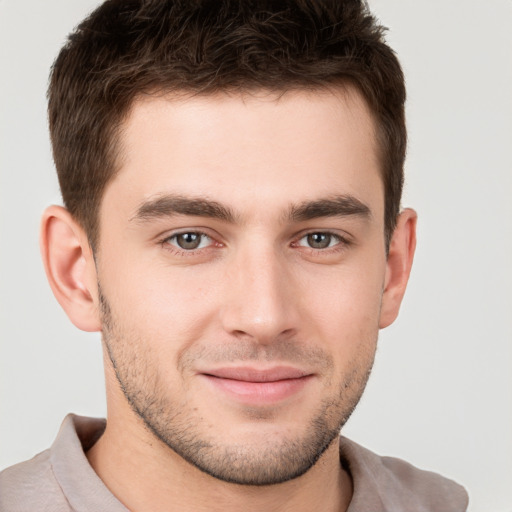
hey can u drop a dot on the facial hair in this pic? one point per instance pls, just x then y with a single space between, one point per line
182 428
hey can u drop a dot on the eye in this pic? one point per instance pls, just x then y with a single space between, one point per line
189 240
319 240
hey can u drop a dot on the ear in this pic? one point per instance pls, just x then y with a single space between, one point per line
70 269
398 266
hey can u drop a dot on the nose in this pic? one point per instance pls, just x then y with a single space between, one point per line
260 300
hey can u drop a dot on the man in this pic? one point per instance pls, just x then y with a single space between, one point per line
232 174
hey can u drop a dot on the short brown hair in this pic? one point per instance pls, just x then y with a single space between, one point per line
128 47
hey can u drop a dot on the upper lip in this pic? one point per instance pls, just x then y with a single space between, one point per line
249 374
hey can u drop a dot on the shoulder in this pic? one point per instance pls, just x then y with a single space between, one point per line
391 484
31 485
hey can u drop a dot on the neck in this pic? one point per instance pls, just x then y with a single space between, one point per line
145 475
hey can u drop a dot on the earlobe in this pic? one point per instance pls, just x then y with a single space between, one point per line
69 265
398 266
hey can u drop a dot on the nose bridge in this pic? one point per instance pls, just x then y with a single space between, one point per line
259 302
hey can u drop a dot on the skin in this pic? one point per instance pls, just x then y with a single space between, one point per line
290 272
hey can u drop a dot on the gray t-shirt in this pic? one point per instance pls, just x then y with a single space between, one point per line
61 480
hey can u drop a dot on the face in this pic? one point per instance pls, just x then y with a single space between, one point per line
241 266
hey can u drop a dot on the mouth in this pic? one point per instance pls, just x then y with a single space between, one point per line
258 386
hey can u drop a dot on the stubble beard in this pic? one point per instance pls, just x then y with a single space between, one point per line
182 429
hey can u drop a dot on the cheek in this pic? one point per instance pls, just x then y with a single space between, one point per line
349 296
163 306
345 307
172 307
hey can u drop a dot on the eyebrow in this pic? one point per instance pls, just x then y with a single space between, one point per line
169 205
336 206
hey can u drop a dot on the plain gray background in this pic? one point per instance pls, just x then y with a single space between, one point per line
441 392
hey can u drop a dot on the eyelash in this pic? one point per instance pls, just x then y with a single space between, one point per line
175 249
342 243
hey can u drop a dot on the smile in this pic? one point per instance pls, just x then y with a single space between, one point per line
258 387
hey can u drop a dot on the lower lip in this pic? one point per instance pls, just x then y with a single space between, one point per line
259 392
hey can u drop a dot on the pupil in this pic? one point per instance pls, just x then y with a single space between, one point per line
189 240
319 240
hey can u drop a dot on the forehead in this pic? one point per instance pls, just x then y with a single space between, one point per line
259 150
